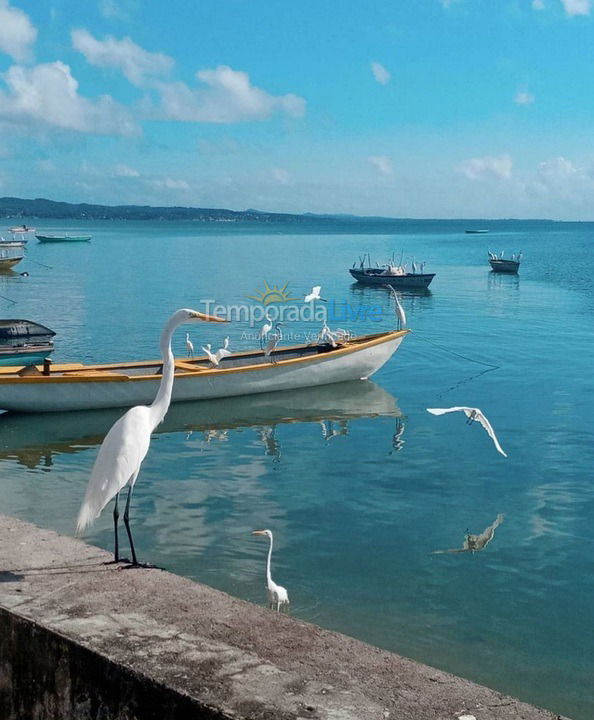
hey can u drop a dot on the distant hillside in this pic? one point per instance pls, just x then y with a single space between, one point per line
41 208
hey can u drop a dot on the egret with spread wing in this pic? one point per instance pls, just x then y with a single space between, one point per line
224 351
127 443
211 356
473 414
277 595
314 294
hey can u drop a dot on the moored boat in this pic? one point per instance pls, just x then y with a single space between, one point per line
23 342
63 238
17 328
379 276
476 232
501 265
80 387
11 253
20 229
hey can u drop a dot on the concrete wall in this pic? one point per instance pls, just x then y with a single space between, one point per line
84 640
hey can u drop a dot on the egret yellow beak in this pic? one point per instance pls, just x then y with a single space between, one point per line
258 532
206 318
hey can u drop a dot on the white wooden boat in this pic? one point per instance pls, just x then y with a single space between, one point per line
82 387
11 253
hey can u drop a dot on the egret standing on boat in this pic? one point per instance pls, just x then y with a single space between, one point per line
127 443
473 415
189 346
277 595
211 356
264 330
223 352
273 340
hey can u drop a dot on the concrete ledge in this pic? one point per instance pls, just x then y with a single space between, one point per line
83 640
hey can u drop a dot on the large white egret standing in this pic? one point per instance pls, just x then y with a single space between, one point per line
277 595
473 414
400 314
127 443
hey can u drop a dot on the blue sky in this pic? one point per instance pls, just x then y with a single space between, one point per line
429 108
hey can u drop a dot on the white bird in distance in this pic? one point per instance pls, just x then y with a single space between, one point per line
127 443
189 346
264 330
314 295
277 595
473 414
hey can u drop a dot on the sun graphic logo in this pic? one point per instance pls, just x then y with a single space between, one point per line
273 294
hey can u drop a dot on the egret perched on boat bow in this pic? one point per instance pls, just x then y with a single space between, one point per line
126 444
400 314
473 414
273 340
277 595
314 294
189 346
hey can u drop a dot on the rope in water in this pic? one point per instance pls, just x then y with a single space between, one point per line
456 354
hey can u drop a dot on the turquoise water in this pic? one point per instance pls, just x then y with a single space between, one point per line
359 484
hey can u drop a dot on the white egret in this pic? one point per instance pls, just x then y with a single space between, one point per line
474 543
211 356
400 314
127 443
326 335
273 340
189 346
277 595
264 330
224 351
473 414
314 294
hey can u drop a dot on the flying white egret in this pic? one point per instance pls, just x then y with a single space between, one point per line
211 356
189 346
264 330
273 340
473 414
224 351
400 314
127 443
277 595
314 294
474 543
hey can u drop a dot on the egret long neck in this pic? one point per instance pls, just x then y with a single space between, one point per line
160 404
268 575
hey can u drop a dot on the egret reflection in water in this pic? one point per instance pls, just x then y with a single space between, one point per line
33 440
474 543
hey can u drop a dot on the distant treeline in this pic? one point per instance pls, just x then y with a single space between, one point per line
41 208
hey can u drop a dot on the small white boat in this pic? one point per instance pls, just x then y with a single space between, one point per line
21 229
83 387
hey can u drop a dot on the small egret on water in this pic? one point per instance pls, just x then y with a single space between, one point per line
314 294
189 346
264 330
127 443
474 543
277 595
473 414
273 340
400 314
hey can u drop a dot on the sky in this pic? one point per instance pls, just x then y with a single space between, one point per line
400 108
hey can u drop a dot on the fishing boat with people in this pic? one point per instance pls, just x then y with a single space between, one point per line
76 386
11 253
391 273
63 238
21 229
24 342
501 265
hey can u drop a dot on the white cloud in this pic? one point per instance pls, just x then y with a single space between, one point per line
538 4
281 176
382 163
483 168
577 7
126 171
170 184
380 73
47 94
136 63
523 97
229 97
17 33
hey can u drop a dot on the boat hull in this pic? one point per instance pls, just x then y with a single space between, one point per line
29 357
504 266
410 280
63 238
79 391
7 263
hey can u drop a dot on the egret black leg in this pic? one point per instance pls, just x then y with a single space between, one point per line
116 516
127 524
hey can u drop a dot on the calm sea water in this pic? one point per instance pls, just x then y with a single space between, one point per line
359 484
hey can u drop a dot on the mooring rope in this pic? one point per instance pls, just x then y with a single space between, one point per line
456 354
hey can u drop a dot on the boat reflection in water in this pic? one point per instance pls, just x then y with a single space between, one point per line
33 440
474 543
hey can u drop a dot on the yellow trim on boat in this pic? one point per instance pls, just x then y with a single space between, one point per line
77 372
